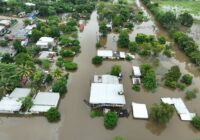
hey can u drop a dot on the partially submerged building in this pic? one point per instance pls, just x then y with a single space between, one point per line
136 75
12 103
106 92
109 54
45 42
140 111
44 101
47 55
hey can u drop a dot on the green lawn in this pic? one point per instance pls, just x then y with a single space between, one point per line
190 6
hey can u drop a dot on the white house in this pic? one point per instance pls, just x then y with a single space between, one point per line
12 103
45 42
105 54
44 101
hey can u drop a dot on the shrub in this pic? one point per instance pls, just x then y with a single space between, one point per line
52 115
196 122
161 113
128 58
123 40
60 86
181 86
66 53
167 52
110 120
94 114
115 70
132 47
191 94
70 65
97 60
45 64
59 63
187 79
118 138
149 80
3 43
26 103
98 45
136 87
161 40
49 78
75 49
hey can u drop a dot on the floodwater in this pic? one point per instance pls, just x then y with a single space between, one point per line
76 123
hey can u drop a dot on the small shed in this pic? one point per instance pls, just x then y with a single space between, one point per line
44 101
105 54
136 71
139 111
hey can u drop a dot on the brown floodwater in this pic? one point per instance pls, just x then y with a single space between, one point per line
76 123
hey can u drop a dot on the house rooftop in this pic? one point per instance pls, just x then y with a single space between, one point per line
139 111
111 94
106 79
20 92
136 71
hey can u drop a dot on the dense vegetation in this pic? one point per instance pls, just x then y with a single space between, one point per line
110 120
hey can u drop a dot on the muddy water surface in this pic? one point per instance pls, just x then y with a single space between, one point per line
76 123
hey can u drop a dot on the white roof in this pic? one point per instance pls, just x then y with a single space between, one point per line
131 55
139 111
46 39
180 106
182 110
105 53
122 54
41 43
29 4
136 71
47 99
2 27
5 22
9 105
45 54
30 27
20 92
101 93
106 79
39 108
167 100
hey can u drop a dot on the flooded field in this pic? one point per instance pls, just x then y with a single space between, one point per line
76 123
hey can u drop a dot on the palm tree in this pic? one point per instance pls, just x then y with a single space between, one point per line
24 73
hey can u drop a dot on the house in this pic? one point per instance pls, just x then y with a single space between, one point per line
45 42
139 111
12 103
2 30
44 101
47 55
5 22
106 92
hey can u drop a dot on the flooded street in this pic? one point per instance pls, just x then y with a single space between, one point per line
76 123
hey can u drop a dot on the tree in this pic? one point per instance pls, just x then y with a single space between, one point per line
149 80
123 40
27 22
52 115
25 72
103 29
46 64
141 38
187 79
7 58
186 19
167 20
115 70
3 43
51 10
161 113
97 60
161 40
36 35
196 122
110 120
24 59
26 103
18 47
133 47
191 94
60 86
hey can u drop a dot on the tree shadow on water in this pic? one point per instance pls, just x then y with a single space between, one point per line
155 128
